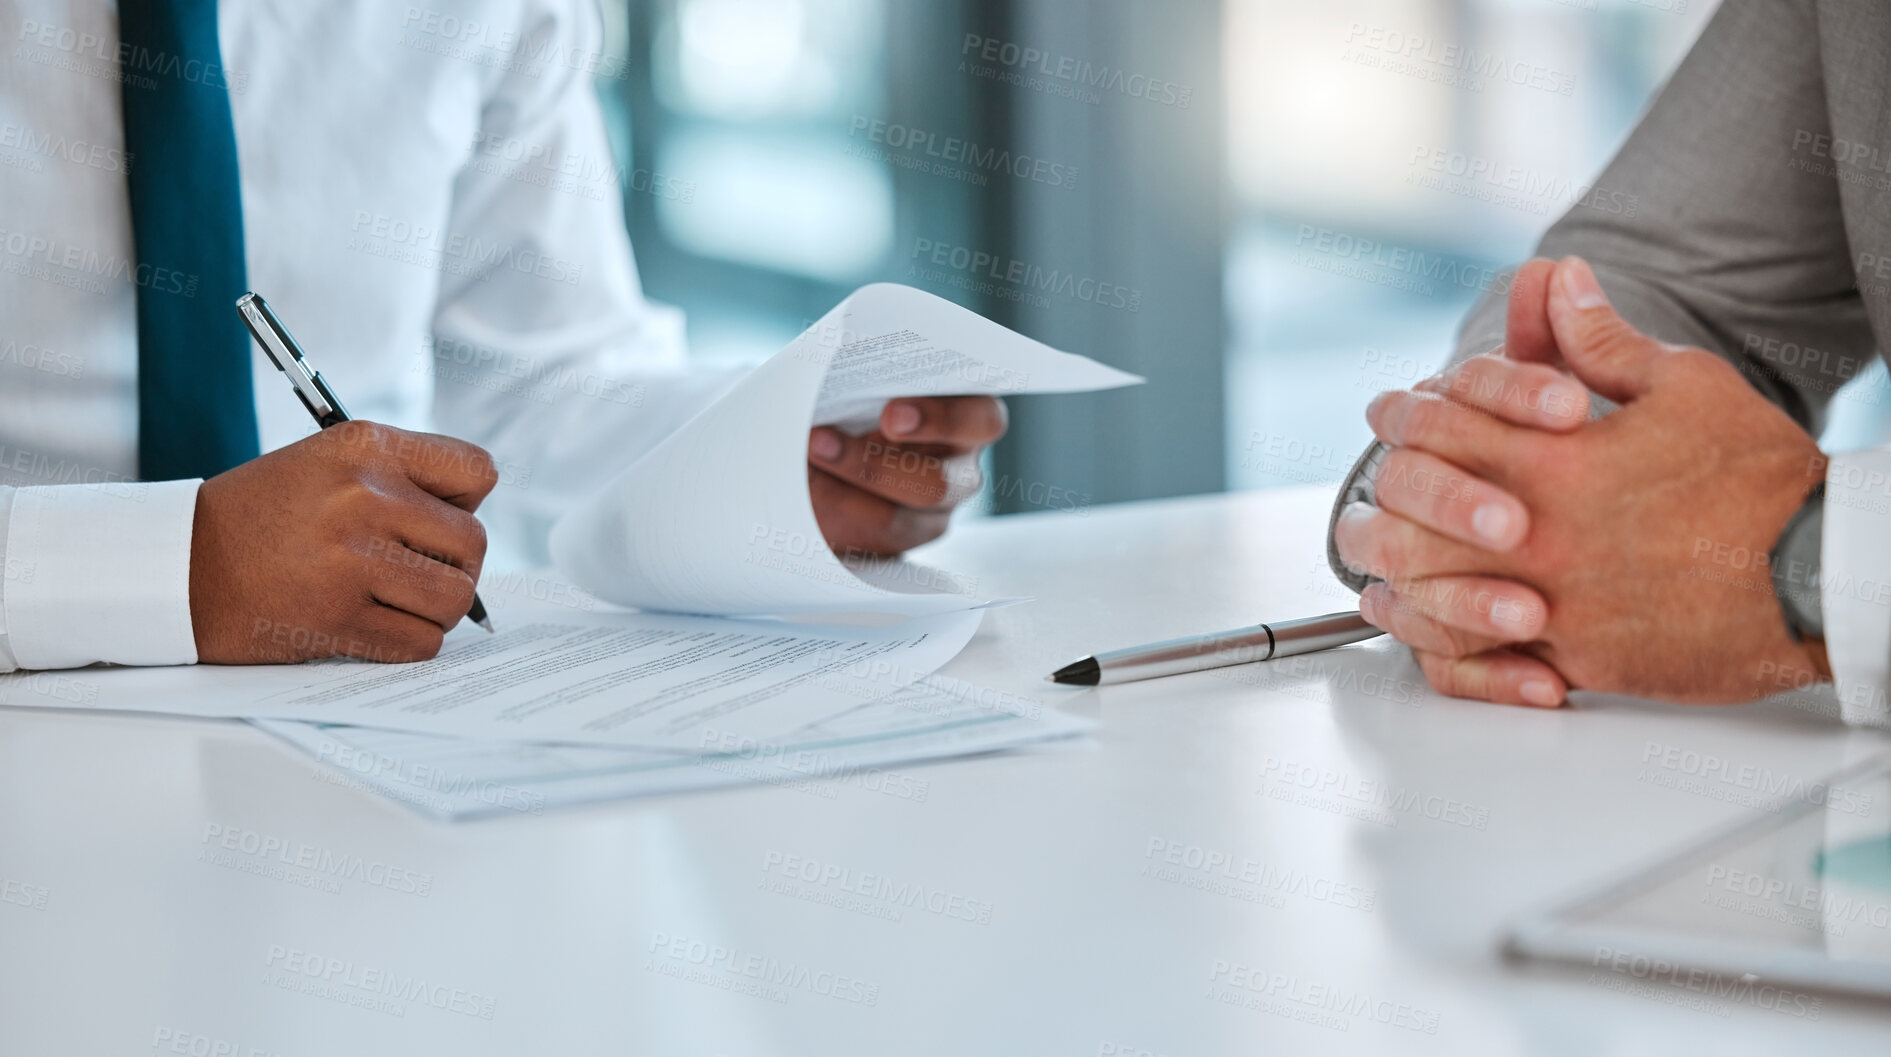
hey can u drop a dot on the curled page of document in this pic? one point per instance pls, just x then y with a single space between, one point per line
716 519
639 679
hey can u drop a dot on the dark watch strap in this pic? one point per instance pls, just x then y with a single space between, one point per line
1795 567
1356 488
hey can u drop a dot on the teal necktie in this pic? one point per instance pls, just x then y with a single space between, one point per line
196 411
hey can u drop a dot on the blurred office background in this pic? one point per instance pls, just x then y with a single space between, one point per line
1273 209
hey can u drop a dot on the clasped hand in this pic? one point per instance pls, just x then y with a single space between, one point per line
1524 549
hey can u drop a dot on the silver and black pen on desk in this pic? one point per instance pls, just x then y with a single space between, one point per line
1262 642
281 348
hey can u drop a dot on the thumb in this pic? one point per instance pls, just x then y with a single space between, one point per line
1603 349
1527 336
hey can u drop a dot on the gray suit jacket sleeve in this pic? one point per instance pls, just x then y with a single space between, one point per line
1709 229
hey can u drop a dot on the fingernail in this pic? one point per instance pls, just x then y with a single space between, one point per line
1541 693
1492 522
902 419
1357 511
1579 284
825 445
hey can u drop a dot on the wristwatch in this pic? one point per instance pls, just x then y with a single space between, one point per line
1795 567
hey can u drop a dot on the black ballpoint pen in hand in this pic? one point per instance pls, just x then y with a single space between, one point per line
310 386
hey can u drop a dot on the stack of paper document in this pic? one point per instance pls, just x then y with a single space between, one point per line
640 680
566 704
456 778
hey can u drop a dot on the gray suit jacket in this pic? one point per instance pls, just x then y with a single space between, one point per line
1761 179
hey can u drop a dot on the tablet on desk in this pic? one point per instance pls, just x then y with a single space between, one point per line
1797 898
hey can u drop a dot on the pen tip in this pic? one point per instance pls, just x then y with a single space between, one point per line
487 624
1078 673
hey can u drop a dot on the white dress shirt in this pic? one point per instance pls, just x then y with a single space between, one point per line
1855 582
429 201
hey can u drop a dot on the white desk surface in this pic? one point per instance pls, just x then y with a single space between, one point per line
547 922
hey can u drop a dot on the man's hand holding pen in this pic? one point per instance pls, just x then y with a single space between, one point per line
1525 550
358 541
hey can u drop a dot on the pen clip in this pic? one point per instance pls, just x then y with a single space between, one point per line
282 350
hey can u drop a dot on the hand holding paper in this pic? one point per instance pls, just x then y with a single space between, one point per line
655 538
885 492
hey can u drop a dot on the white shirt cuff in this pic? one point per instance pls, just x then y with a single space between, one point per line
110 574
1855 582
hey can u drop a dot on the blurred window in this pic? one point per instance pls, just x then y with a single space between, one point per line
745 206
1386 159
